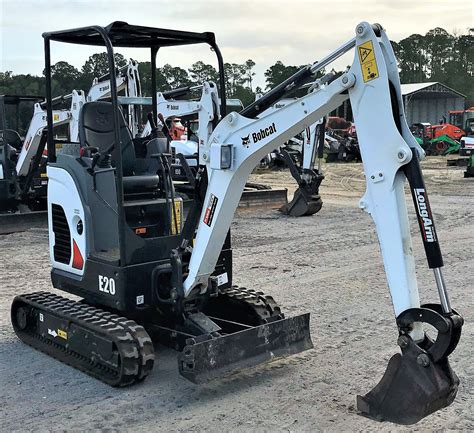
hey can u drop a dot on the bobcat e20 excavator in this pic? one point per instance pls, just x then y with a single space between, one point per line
119 238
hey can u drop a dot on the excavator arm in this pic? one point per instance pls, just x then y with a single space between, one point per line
38 123
419 381
306 199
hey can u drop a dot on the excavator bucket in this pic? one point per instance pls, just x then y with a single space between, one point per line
412 387
203 361
302 204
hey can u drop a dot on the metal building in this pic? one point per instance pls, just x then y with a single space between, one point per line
424 102
430 102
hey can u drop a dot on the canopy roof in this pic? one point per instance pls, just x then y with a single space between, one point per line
122 34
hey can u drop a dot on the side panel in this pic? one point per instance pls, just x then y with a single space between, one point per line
62 191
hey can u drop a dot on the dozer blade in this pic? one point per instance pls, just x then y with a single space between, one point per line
412 387
220 356
302 204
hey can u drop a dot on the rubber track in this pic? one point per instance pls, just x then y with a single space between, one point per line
263 305
132 341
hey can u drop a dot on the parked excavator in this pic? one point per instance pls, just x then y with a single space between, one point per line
23 180
310 142
120 240
467 150
23 177
183 114
12 132
192 105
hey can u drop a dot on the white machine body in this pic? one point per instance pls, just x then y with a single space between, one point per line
308 144
62 189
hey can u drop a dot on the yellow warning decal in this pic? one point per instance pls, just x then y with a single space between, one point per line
55 117
62 334
43 174
368 63
176 223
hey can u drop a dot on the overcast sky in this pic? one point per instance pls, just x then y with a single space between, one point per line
293 31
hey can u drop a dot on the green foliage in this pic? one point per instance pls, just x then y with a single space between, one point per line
200 72
98 65
438 56
175 77
249 74
245 94
234 77
278 73
21 84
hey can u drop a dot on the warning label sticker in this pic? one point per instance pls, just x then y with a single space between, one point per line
176 219
368 63
211 208
222 279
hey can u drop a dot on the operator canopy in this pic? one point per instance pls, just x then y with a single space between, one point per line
122 34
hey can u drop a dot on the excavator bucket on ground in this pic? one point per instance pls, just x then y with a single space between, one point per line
419 381
410 389
306 200
302 204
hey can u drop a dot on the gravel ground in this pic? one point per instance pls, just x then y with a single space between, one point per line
328 264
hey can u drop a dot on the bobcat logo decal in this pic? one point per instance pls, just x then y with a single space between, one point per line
246 140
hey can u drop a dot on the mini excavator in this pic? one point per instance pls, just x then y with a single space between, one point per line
120 240
23 179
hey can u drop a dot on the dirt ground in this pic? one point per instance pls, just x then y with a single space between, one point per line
328 264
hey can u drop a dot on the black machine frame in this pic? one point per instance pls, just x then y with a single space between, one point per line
122 34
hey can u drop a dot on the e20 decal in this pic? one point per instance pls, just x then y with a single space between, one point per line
106 285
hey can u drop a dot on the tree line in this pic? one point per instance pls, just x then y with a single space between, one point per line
436 56
65 77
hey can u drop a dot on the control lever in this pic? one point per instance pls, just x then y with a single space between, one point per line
154 128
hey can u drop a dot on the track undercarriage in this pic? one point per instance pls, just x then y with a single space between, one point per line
239 328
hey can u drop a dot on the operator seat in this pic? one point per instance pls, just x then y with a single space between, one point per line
96 129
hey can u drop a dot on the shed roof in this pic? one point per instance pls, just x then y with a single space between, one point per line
431 87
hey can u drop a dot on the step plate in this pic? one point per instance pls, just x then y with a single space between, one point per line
217 357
